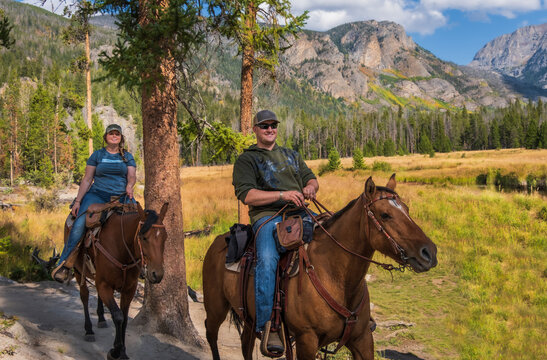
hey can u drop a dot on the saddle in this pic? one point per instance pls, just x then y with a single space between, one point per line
291 240
96 216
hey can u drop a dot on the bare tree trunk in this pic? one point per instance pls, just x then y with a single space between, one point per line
165 307
246 100
55 128
88 89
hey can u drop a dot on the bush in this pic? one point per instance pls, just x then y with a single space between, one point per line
48 201
333 164
381 166
542 214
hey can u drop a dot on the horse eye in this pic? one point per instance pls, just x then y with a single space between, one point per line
385 216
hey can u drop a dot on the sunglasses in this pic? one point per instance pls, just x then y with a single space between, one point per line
266 126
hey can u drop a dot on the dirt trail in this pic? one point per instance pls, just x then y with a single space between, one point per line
49 325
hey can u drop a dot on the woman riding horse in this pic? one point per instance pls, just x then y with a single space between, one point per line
110 172
333 293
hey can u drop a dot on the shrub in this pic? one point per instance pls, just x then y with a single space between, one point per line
381 166
542 214
48 201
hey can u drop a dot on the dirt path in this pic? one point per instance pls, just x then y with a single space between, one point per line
49 325
45 320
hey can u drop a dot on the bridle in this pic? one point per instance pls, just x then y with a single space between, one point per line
138 238
397 248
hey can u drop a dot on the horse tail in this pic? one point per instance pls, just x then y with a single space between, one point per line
237 321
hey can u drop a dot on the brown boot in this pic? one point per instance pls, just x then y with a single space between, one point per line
60 273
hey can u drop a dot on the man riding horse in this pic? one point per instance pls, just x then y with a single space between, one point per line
267 177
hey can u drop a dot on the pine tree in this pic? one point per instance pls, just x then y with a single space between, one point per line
358 162
389 148
424 146
5 29
334 160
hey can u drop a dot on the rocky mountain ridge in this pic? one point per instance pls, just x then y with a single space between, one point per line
521 55
377 63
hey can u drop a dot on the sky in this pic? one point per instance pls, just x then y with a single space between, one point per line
453 30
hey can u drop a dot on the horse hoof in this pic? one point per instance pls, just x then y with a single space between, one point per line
109 355
89 337
102 324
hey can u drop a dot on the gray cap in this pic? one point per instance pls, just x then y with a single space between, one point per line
112 127
264 115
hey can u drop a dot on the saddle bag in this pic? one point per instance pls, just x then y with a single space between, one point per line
290 232
240 235
294 231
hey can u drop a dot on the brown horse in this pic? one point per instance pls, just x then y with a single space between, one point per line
126 242
376 221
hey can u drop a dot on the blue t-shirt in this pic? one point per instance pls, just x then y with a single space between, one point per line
110 171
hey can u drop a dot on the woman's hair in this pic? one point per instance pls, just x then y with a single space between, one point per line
121 146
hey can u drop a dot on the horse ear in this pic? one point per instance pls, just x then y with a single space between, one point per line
370 189
142 215
391 183
163 211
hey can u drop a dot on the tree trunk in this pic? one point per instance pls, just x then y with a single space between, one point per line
165 307
88 89
246 100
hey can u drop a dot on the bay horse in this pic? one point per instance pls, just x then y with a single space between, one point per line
375 221
127 242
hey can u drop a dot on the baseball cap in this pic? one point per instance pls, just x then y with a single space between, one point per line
264 115
112 127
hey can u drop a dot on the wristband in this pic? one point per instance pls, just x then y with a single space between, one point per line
77 201
281 195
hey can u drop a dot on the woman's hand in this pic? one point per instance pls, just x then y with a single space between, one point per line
129 191
75 208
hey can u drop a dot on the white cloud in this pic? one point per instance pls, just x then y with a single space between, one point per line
421 16
56 6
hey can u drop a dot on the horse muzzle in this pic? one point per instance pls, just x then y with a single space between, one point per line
425 260
154 276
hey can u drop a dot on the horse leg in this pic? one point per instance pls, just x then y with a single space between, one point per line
247 342
84 297
100 313
216 309
362 348
107 295
125 302
306 346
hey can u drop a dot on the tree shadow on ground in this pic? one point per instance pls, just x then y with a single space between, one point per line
396 355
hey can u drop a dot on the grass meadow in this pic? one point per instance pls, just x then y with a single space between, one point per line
487 298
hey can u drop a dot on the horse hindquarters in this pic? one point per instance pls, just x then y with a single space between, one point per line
215 303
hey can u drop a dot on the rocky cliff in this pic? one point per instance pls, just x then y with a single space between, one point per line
378 63
521 55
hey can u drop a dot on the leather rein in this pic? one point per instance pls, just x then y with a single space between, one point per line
351 317
140 262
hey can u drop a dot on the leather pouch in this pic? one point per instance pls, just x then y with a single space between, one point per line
290 231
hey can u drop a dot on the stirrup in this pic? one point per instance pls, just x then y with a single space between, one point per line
272 344
61 273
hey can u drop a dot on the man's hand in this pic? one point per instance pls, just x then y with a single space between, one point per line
309 192
293 196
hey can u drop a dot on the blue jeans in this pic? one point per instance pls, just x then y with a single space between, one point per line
78 228
266 266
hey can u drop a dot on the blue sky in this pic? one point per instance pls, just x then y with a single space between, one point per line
453 30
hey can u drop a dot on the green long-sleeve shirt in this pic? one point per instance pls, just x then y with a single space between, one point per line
279 169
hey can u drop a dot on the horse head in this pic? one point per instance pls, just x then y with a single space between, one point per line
152 236
391 229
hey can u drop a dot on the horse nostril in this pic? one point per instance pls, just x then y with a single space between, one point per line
425 254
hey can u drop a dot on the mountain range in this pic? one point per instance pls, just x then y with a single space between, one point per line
375 64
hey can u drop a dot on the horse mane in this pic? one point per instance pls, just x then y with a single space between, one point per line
339 213
151 219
